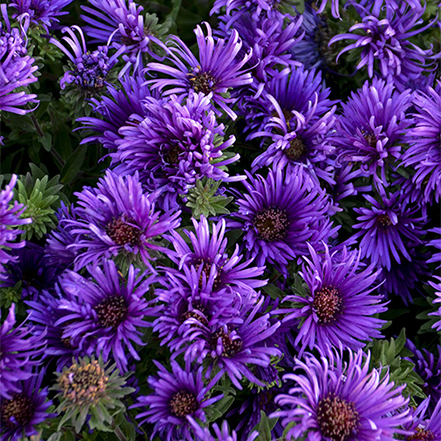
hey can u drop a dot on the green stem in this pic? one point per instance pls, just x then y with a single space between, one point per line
119 434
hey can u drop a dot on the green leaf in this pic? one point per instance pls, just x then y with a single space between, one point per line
73 164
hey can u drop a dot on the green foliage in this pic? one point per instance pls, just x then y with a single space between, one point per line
41 197
202 199
388 355
10 294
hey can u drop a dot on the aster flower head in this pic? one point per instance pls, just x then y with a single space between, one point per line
216 71
372 128
341 400
25 409
177 396
339 308
103 314
120 23
280 214
384 40
187 301
115 110
20 353
237 347
28 275
9 219
44 314
117 218
424 153
90 388
40 12
268 38
177 143
297 118
16 66
87 70
426 424
208 248
388 228
428 367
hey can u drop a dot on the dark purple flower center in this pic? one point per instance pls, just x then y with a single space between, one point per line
337 418
198 315
384 220
371 139
83 383
172 154
422 435
16 412
296 149
327 304
217 283
202 82
112 311
183 403
271 224
230 346
122 233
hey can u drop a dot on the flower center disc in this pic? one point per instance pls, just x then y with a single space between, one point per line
202 82
337 418
16 412
384 220
230 347
271 224
327 304
422 435
112 311
296 149
122 233
183 403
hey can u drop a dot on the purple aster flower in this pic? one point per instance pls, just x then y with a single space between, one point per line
175 145
27 407
313 50
16 67
117 218
268 39
103 314
208 249
280 214
217 70
294 114
10 217
119 23
269 8
372 127
235 349
31 271
424 154
388 229
384 40
88 69
44 315
187 301
40 12
339 308
341 400
425 425
115 111
176 397
428 367
19 354
57 251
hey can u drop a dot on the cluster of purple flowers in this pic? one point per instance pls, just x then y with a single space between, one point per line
254 235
